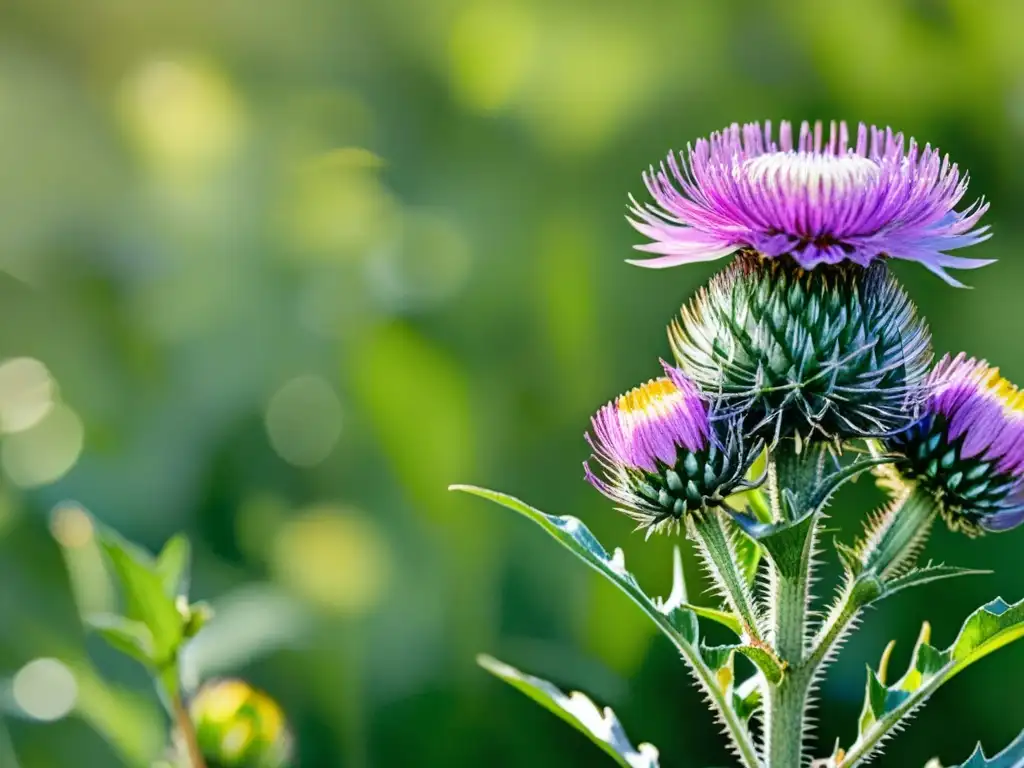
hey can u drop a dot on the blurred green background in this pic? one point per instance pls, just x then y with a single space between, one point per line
276 273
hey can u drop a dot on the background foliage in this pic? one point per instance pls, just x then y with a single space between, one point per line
284 270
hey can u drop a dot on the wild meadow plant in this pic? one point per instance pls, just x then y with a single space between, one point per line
225 723
807 352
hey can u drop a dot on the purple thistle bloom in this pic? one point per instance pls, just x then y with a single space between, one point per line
969 447
650 423
820 200
658 453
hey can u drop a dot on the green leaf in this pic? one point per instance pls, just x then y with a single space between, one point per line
672 616
926 575
748 553
132 638
784 542
677 622
678 598
144 596
747 696
986 630
173 565
1011 757
834 480
766 661
602 728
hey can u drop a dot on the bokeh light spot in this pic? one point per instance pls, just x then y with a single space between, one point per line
27 393
338 208
71 526
427 262
303 420
490 52
184 115
335 558
45 690
46 452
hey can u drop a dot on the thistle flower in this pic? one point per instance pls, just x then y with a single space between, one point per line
968 448
837 352
239 727
819 201
661 456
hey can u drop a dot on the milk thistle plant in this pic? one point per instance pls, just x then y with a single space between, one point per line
806 351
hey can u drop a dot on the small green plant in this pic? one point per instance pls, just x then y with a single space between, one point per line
807 351
226 724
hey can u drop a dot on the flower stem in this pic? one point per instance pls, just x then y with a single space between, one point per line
737 729
795 468
895 546
786 703
906 528
187 734
714 546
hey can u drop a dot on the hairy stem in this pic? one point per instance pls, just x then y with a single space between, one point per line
894 546
795 468
897 544
736 727
715 547
786 703
784 720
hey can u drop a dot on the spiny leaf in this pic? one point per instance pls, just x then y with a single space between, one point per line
602 728
833 481
748 554
784 542
718 657
926 575
766 661
677 600
173 565
677 622
1011 757
986 630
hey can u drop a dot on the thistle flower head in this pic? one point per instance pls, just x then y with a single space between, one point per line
836 352
660 454
968 448
239 727
821 200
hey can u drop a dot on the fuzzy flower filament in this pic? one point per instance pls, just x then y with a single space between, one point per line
820 199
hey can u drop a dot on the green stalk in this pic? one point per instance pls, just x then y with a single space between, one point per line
907 528
713 543
894 545
187 733
736 727
795 467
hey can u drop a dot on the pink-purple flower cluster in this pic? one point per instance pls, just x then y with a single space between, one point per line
658 454
821 199
969 447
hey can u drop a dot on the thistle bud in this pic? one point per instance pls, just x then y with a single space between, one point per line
660 455
968 447
239 727
836 352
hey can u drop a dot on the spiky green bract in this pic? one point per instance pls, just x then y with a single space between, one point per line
659 455
836 352
968 491
698 482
